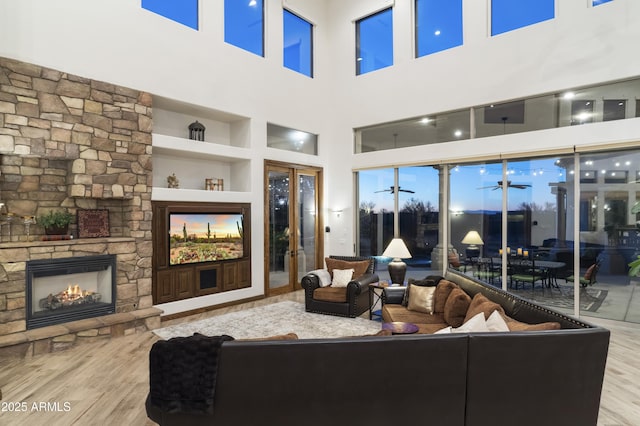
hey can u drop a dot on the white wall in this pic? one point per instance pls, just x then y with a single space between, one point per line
118 42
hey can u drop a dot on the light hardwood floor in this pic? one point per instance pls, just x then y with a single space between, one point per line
106 383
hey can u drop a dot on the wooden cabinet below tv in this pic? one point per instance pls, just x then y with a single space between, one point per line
173 280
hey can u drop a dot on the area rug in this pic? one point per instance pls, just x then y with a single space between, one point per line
271 320
562 298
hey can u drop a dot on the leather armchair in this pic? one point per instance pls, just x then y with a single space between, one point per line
351 302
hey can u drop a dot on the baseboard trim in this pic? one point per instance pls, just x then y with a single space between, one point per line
209 308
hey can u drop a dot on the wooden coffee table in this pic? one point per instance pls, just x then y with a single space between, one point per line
397 327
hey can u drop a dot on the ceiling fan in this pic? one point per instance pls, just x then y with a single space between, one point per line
509 185
391 190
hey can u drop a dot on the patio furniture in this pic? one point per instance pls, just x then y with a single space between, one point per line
589 277
525 271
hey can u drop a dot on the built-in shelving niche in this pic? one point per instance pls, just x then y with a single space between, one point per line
224 154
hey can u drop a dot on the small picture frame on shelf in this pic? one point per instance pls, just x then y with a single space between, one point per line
214 184
93 223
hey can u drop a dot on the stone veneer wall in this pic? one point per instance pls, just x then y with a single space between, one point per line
68 142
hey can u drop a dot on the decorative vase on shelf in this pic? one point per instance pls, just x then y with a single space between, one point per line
196 131
172 181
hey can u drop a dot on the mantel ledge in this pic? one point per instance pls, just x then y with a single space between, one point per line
74 242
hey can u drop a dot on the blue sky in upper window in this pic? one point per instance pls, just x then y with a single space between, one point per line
184 11
508 15
438 25
375 38
243 25
599 2
297 42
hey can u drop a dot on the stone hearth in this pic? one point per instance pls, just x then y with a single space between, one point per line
68 142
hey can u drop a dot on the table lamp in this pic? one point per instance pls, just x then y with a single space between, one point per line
473 240
397 268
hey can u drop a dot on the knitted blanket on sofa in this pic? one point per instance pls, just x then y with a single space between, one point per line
183 372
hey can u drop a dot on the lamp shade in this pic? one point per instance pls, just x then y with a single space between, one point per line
472 238
397 249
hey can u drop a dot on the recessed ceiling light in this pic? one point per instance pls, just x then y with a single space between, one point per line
569 95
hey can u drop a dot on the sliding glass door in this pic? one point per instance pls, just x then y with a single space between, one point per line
416 192
576 217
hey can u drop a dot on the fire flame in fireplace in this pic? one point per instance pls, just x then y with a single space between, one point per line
73 292
72 296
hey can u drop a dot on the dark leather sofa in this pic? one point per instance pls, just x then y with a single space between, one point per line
480 379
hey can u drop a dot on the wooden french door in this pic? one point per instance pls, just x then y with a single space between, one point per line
293 228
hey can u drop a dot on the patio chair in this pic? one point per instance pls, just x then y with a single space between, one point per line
589 277
487 270
525 271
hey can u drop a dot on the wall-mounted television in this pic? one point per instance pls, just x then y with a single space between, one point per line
205 237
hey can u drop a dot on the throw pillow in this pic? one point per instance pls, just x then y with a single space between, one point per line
589 272
359 266
427 282
421 298
443 290
341 277
495 322
454 260
476 324
480 303
288 336
456 307
324 277
515 325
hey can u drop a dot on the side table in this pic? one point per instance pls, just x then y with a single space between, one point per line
375 296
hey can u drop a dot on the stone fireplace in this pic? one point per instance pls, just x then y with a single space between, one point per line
69 289
72 143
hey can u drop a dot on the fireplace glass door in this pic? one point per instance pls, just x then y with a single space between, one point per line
62 290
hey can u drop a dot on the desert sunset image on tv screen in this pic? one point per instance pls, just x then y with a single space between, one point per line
204 237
